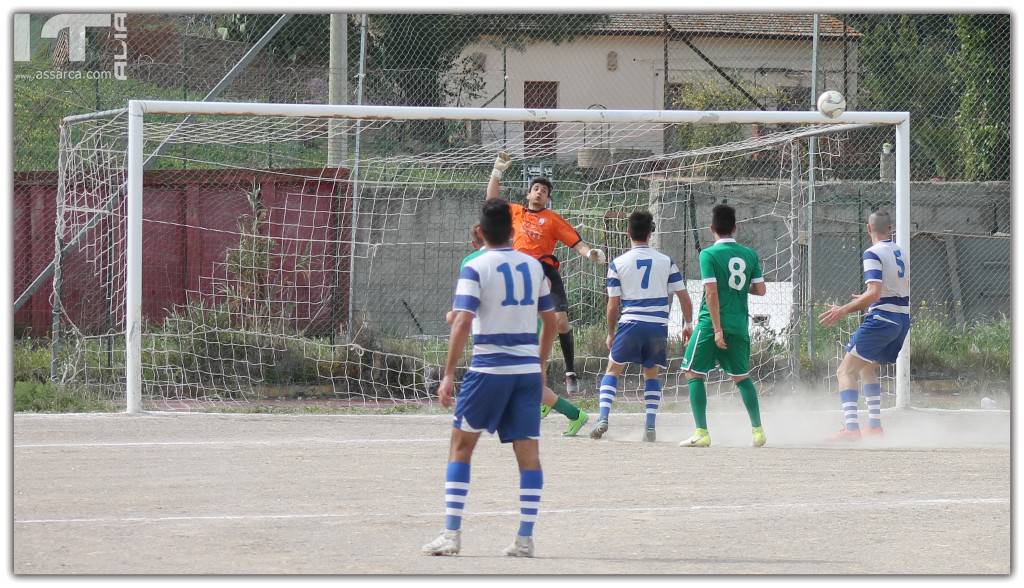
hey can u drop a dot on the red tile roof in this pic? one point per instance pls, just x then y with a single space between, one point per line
731 25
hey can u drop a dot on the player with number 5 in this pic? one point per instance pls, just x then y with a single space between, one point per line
730 272
880 337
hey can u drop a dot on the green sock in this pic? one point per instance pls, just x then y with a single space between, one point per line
698 402
563 406
749 395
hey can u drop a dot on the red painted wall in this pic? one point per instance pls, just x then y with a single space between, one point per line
190 220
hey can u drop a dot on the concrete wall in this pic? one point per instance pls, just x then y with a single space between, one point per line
411 271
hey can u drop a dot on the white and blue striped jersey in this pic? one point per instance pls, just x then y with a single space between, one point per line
504 289
885 262
645 279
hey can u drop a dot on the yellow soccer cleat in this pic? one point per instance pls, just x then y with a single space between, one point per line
700 438
576 425
759 438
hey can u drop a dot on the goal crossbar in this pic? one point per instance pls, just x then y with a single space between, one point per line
370 112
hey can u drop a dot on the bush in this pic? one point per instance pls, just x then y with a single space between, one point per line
49 397
31 360
979 349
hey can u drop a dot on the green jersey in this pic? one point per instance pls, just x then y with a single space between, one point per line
734 268
471 257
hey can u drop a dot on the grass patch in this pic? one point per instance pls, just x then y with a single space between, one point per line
306 375
939 349
49 397
31 360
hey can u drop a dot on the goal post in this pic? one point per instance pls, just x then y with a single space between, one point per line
646 173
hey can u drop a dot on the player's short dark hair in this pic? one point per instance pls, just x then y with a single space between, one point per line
544 181
496 222
723 219
881 222
641 224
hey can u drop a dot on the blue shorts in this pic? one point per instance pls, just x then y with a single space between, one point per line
880 337
641 344
506 403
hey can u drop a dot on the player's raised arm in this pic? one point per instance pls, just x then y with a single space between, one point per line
591 253
500 165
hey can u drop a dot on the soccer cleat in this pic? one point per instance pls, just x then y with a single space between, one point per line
576 425
447 543
873 432
545 410
600 429
759 438
571 384
521 547
845 434
700 438
650 436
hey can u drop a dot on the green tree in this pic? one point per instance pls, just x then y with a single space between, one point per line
904 68
304 39
982 71
702 94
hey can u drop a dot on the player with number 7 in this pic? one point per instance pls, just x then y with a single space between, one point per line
730 272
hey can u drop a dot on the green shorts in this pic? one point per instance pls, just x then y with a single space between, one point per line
702 354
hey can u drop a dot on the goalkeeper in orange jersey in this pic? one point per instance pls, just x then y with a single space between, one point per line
537 230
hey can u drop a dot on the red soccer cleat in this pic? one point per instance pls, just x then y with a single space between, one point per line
845 434
873 432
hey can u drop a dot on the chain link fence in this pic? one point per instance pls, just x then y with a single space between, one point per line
951 72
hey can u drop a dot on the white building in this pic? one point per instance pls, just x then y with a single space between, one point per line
622 65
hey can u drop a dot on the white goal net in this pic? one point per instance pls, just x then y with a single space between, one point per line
294 256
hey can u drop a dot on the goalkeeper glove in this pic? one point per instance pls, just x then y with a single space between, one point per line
501 164
597 255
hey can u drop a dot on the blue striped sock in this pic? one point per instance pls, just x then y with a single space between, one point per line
652 396
530 484
456 487
606 395
873 396
849 400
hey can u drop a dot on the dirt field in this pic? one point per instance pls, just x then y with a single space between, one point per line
266 494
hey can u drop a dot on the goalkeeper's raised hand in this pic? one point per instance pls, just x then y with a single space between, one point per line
501 164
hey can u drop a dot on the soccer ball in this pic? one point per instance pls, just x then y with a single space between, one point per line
831 103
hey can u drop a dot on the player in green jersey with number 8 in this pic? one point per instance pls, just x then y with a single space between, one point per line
730 272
